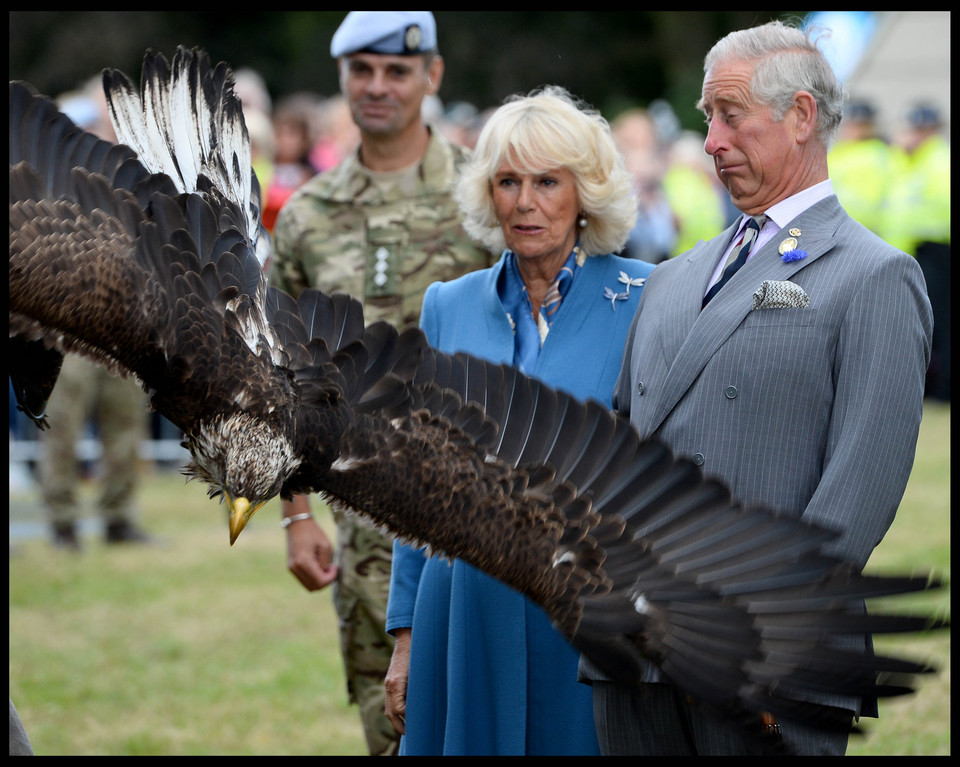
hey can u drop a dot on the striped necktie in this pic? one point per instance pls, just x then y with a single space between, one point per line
739 255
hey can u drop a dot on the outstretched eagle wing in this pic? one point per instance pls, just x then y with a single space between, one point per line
151 265
166 253
45 147
632 552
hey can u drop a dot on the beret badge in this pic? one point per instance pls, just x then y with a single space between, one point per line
413 37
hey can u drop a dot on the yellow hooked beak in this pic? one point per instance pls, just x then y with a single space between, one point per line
240 513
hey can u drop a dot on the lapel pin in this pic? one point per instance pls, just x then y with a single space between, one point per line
794 232
788 244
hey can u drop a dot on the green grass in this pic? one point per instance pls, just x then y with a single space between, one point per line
918 541
194 647
190 647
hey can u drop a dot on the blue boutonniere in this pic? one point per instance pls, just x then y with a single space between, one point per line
788 248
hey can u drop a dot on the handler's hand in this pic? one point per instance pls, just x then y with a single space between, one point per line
309 551
395 683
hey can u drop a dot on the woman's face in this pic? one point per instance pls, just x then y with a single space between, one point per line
537 212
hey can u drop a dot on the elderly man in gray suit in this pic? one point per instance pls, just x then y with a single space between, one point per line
785 356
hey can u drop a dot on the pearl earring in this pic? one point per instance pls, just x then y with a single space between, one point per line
582 222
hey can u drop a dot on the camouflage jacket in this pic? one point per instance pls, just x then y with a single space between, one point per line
382 242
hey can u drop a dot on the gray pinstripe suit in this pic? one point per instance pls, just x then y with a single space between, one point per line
809 410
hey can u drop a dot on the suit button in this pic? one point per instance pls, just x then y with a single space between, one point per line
639 387
698 459
731 392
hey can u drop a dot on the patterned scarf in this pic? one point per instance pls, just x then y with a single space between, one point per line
529 335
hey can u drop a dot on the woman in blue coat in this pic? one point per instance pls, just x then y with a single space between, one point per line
478 669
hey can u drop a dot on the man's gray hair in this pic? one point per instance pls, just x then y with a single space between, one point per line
787 60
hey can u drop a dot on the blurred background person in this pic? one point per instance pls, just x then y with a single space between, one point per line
116 408
295 123
339 135
863 166
654 237
918 222
252 91
462 123
262 150
87 395
254 95
700 204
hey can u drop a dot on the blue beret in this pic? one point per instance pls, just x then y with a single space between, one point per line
398 33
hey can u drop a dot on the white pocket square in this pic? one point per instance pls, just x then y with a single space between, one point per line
780 294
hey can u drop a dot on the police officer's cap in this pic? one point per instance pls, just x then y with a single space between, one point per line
924 116
398 33
861 112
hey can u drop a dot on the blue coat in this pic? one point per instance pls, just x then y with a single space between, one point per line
489 675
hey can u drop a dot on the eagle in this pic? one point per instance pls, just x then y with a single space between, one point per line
147 256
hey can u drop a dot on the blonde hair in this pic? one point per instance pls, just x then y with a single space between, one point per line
543 131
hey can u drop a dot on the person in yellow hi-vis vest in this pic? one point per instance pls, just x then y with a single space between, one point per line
918 222
699 204
863 166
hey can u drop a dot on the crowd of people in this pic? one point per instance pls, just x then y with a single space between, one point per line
496 232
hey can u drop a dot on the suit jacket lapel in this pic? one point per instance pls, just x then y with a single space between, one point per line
696 335
682 308
818 234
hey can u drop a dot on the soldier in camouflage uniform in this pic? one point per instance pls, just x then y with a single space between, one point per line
381 226
119 405
369 235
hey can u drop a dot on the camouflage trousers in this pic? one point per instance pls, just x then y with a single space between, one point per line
360 598
118 406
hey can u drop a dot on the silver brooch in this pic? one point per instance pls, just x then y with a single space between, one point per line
631 282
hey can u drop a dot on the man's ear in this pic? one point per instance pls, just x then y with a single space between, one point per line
434 75
806 108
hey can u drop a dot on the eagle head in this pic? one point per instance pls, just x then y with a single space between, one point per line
244 459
